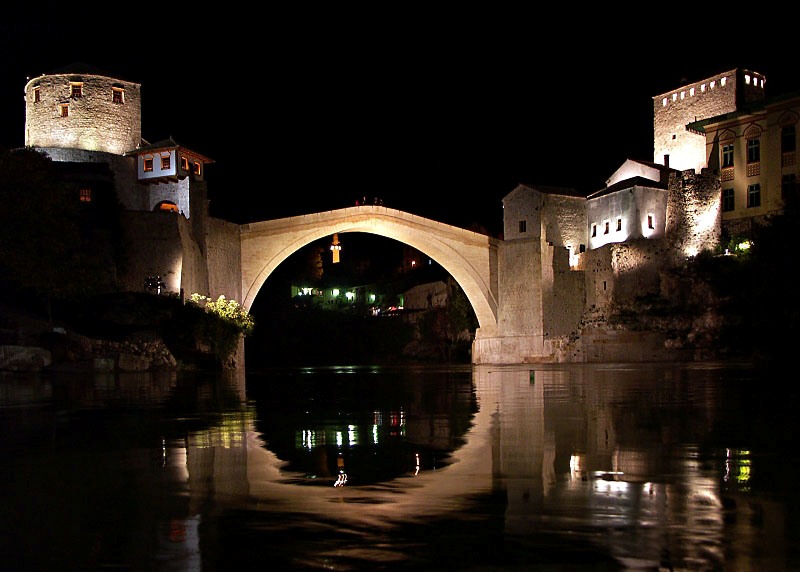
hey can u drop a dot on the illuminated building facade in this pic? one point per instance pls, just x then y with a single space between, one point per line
754 150
78 114
81 117
723 93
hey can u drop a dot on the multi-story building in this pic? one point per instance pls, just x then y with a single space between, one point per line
754 150
83 118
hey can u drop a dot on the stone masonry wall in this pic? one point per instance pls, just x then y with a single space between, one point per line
163 247
685 104
94 122
694 213
520 296
173 191
565 221
224 259
131 194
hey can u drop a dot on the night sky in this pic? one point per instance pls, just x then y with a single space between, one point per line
438 114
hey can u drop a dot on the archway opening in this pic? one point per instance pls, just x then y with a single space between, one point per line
383 302
168 206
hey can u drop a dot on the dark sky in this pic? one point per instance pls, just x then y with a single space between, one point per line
439 114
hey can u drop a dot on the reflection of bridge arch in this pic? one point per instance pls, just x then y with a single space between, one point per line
470 258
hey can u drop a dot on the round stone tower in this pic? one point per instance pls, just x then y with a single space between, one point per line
81 108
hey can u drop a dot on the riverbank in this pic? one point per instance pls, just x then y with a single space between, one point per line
128 333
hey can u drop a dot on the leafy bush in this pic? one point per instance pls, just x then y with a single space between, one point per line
225 321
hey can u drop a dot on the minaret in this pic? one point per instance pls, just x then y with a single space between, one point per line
335 248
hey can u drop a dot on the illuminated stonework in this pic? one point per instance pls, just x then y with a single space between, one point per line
78 109
681 148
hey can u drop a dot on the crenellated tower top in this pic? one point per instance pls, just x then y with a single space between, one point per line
675 146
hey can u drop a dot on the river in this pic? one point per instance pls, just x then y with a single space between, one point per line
594 467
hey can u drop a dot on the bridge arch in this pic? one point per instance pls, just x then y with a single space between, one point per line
469 257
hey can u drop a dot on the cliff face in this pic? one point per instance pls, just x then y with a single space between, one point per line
673 315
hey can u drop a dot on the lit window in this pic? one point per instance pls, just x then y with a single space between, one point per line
117 95
683 95
691 91
523 226
165 162
753 195
664 102
594 230
619 224
651 223
196 167
727 155
712 84
64 110
184 163
674 97
37 96
148 164
722 81
76 90
747 79
753 150
788 139
727 200
86 195
703 88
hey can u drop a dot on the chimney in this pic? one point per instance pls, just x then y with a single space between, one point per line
666 159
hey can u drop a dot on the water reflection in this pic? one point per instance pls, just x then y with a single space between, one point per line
656 467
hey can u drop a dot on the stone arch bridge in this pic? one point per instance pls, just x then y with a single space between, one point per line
470 258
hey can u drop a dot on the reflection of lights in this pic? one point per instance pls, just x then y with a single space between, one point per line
375 434
737 466
575 466
416 472
351 435
605 486
308 439
339 440
341 480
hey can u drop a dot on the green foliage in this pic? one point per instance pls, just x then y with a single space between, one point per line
219 323
227 310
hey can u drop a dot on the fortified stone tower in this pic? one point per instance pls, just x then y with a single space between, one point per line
80 108
681 149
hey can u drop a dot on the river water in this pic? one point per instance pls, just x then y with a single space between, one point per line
551 467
